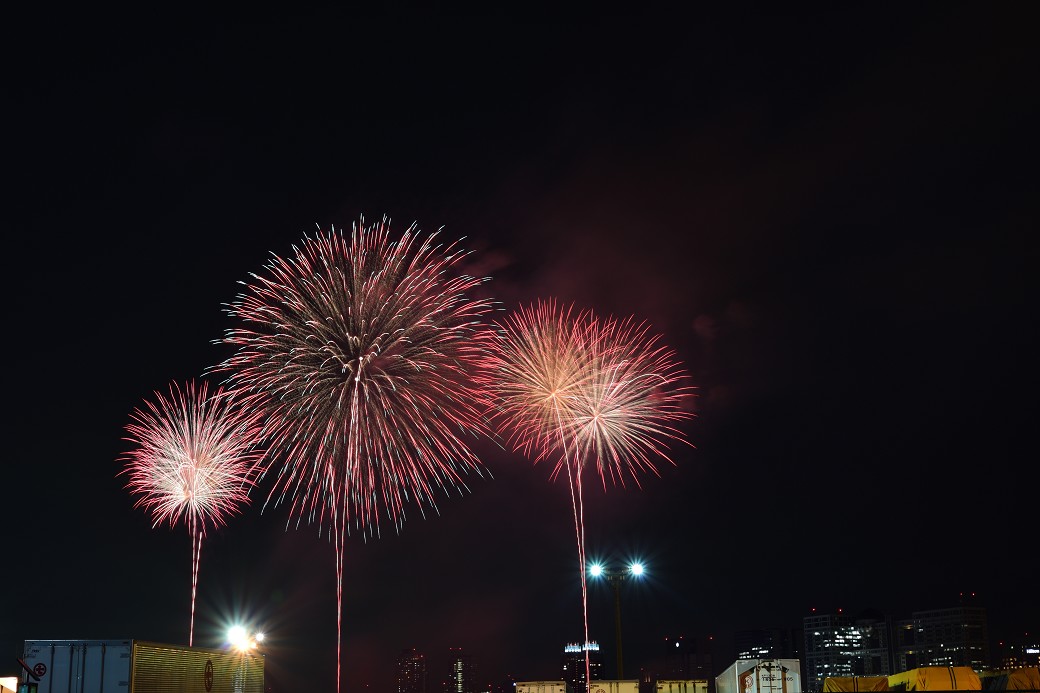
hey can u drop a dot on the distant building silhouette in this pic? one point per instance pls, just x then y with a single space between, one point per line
462 674
572 669
871 644
1017 653
769 643
840 645
411 672
678 659
507 684
957 636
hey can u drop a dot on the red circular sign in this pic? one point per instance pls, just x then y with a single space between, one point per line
40 669
207 675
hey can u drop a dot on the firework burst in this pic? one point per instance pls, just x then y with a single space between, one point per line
595 392
192 460
599 392
630 400
358 350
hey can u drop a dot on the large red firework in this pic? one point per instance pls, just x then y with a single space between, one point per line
596 392
358 350
193 460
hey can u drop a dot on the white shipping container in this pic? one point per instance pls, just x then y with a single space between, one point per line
761 676
542 687
90 666
683 686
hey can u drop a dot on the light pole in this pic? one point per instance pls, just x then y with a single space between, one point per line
615 578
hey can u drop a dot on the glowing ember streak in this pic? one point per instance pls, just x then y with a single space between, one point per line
193 460
358 350
593 391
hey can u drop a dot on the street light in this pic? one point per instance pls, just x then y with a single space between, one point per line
240 639
615 578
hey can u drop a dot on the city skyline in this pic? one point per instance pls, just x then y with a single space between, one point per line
786 642
825 214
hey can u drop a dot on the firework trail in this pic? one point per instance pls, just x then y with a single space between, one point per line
193 460
358 350
595 392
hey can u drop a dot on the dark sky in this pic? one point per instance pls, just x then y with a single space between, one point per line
827 214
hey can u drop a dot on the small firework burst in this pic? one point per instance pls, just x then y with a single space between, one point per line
595 391
193 460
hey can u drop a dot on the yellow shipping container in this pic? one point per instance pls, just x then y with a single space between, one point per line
936 679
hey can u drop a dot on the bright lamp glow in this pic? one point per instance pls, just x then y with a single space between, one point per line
596 570
237 637
236 634
259 637
636 569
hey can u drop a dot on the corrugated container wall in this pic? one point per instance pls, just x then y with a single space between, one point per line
82 666
609 686
542 687
170 669
129 666
682 686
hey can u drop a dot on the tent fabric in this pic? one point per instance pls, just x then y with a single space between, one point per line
936 679
1026 678
850 684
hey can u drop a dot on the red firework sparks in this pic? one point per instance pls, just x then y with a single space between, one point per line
599 392
629 402
193 460
358 350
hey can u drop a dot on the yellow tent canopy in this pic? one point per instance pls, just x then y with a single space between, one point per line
1026 678
936 679
850 684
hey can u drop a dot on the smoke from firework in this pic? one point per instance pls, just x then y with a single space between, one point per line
193 459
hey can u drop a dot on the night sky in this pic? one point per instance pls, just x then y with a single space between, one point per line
826 214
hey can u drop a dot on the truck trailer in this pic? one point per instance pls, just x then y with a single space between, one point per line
761 676
134 666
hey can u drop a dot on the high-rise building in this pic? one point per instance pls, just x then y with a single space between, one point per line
840 645
462 674
957 636
768 643
872 645
1017 653
683 658
411 672
573 666
678 658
